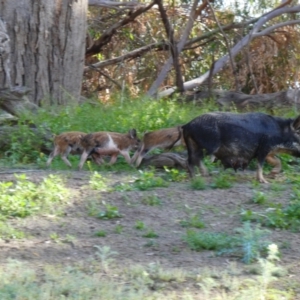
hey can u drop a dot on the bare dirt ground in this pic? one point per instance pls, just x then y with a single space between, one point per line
70 238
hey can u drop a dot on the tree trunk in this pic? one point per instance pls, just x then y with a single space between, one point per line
47 41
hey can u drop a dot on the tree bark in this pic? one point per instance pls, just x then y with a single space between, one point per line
47 47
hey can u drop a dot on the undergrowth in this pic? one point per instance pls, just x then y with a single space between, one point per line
104 278
23 197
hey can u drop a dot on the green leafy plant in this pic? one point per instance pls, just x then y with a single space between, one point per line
148 180
277 216
106 255
150 234
145 181
139 225
253 241
110 212
175 175
24 198
199 240
151 200
97 182
8 232
198 183
100 233
259 197
222 181
193 221
118 229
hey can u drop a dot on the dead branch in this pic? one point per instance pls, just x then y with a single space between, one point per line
173 47
108 34
189 85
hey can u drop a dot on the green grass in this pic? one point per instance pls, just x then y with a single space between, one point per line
146 180
118 116
23 197
198 183
248 242
278 215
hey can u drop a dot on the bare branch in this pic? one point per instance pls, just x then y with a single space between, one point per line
189 85
173 46
232 63
168 65
108 34
113 4
133 54
272 28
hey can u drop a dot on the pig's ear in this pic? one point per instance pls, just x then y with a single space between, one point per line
296 124
132 133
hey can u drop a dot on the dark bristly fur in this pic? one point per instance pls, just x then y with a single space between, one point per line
236 139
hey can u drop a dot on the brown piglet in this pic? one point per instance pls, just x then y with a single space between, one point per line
165 138
109 143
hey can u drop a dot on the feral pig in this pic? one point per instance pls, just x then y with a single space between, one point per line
165 138
69 143
66 143
236 139
109 143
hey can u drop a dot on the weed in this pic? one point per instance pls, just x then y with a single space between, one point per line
97 182
252 241
118 229
151 243
207 240
148 180
110 212
139 225
8 232
248 242
55 237
259 197
193 221
151 200
278 217
105 254
157 273
222 181
100 233
175 175
198 183
150 234
24 198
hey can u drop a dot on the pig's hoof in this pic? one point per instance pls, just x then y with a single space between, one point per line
262 180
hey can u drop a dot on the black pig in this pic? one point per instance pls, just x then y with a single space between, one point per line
236 139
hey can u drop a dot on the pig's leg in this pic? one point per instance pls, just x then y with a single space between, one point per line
259 174
126 156
142 154
137 153
274 161
97 158
54 153
64 156
195 158
113 159
83 158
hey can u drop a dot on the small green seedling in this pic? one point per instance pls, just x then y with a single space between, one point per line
150 234
139 225
110 212
100 233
